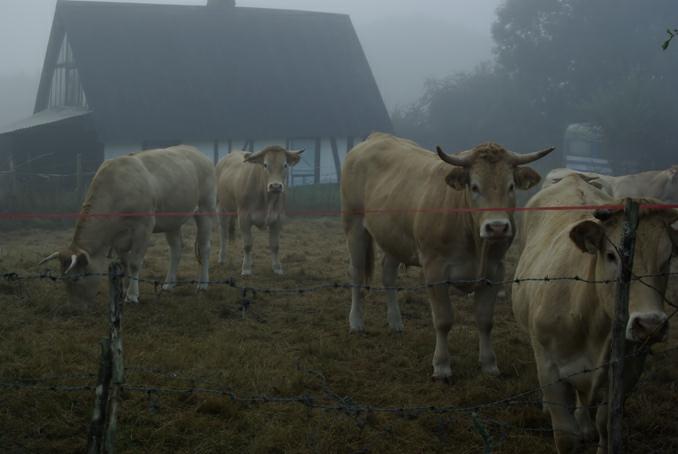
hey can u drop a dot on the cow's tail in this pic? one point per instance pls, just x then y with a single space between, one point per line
196 250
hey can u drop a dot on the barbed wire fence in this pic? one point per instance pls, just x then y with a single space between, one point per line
111 379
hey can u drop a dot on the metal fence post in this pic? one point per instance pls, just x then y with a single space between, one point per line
621 315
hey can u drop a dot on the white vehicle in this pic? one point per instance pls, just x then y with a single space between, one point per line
584 149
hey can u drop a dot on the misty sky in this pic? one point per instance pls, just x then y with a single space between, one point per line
406 41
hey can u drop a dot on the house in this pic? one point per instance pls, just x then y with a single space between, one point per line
120 77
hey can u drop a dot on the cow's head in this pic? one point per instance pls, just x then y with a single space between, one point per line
656 241
276 161
490 175
78 273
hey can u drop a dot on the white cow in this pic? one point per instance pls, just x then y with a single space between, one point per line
175 180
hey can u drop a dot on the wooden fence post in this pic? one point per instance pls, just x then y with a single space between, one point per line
337 160
615 399
115 276
102 430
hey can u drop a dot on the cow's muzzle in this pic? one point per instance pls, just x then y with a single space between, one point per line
275 188
647 327
496 229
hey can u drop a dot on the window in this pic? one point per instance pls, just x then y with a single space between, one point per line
66 89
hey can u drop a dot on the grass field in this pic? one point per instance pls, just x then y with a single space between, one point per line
286 345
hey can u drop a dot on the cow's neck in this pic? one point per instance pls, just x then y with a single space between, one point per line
91 232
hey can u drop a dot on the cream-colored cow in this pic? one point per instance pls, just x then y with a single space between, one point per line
252 186
569 322
176 180
396 194
659 184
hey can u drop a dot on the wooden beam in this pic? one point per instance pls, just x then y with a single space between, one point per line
316 163
335 155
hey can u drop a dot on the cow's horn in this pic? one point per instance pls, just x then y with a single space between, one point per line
521 159
51 257
452 159
74 260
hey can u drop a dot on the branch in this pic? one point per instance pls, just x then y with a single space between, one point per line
672 34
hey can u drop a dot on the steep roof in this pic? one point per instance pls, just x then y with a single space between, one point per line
180 72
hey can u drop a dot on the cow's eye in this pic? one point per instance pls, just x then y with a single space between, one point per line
611 257
512 188
475 189
265 166
286 165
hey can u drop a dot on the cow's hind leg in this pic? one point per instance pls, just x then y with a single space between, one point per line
485 298
174 242
583 416
203 246
140 239
361 253
274 245
435 272
246 231
390 277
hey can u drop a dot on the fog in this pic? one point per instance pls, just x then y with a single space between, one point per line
407 42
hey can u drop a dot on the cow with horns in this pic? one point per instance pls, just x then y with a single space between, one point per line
419 208
124 205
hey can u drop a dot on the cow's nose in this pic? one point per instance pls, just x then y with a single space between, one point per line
651 327
496 229
275 187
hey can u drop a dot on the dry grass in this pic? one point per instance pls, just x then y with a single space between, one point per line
279 349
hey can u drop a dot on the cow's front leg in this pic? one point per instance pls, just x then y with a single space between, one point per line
174 243
485 298
435 273
135 259
274 245
360 251
203 247
390 277
246 231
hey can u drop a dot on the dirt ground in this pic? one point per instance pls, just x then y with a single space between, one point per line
287 345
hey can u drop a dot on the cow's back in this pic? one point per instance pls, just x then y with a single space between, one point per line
385 171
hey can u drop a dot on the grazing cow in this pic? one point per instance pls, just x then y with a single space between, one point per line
178 179
569 322
385 175
658 184
253 186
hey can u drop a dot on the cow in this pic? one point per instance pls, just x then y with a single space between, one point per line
180 180
569 321
252 186
398 195
658 184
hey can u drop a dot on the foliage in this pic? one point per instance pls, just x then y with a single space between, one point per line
559 62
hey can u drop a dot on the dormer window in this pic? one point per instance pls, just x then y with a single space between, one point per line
66 89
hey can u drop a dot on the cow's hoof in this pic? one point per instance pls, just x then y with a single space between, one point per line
132 300
169 286
446 380
202 287
397 328
442 373
278 270
246 273
490 369
359 329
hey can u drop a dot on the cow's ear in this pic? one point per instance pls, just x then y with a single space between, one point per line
526 177
588 236
293 157
458 178
254 158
